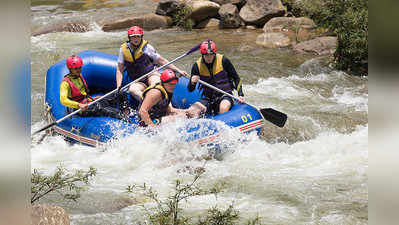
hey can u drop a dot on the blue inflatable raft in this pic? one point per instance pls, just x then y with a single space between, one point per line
99 71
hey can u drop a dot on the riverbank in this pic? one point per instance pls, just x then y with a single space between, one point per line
305 27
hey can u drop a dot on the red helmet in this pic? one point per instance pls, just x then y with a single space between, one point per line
168 76
135 30
74 61
208 47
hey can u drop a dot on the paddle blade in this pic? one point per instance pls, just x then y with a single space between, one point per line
44 128
274 116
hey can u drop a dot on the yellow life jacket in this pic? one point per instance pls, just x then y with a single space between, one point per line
159 87
137 54
218 77
217 66
161 108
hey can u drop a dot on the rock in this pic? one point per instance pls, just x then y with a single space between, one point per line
250 27
168 7
273 40
238 3
229 16
258 12
49 215
77 26
279 24
318 46
298 29
208 24
149 21
202 10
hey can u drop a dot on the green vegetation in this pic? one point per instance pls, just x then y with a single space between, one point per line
169 211
179 18
348 20
42 185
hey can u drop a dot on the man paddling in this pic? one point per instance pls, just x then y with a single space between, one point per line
218 71
156 106
138 57
74 94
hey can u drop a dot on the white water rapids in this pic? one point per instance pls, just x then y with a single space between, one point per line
320 180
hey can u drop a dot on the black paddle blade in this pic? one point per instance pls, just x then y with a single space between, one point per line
44 128
274 116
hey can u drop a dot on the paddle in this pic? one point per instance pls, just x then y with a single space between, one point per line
122 89
269 114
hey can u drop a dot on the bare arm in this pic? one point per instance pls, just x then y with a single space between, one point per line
119 74
152 97
162 61
175 111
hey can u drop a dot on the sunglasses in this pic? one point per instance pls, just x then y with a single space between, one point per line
171 79
208 54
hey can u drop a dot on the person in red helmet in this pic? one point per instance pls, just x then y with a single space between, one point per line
138 57
74 94
156 106
218 71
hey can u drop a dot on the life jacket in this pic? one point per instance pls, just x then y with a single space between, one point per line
216 77
136 61
161 108
76 94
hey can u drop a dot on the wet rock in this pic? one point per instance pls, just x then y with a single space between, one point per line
238 3
168 7
317 46
273 40
229 16
77 26
202 10
279 24
208 24
258 12
49 215
245 48
298 29
250 27
149 21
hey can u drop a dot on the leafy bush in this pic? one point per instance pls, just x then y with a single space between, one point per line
348 20
179 18
215 216
168 211
42 185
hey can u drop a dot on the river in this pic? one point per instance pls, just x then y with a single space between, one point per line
312 171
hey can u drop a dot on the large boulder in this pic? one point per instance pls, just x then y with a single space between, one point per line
211 23
229 16
279 24
149 21
202 10
258 12
49 215
317 46
168 7
273 40
298 29
71 26
238 3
